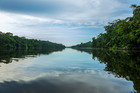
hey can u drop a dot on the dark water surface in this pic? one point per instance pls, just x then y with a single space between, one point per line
69 71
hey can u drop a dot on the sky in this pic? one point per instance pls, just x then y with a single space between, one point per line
62 21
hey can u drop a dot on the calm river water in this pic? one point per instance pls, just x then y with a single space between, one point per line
70 71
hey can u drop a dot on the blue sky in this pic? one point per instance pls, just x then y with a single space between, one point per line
63 21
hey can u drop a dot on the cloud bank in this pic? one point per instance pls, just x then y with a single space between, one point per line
61 20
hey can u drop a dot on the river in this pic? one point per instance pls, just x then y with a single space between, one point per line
70 71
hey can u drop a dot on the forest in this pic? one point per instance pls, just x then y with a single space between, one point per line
10 42
83 45
121 34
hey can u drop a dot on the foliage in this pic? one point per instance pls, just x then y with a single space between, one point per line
121 34
8 41
83 45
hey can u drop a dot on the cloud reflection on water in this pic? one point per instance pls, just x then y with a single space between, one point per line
69 71
76 81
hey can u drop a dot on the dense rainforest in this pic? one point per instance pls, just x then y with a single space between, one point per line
8 41
121 34
83 45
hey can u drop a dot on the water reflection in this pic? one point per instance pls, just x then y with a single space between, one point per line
7 56
68 82
70 71
124 64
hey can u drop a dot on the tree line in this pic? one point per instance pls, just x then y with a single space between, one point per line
83 45
8 41
121 34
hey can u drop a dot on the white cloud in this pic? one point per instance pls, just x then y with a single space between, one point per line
74 15
80 11
88 11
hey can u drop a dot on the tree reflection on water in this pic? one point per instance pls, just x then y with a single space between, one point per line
124 64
